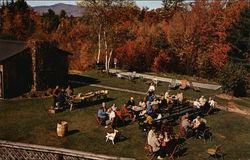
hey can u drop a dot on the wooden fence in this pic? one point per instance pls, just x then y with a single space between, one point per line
22 151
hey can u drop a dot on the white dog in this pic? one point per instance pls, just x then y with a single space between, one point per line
111 136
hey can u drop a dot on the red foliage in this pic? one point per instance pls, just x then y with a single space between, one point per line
198 37
162 63
136 55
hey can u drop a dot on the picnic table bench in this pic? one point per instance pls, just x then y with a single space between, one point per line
88 97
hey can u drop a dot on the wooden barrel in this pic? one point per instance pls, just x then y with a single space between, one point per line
62 128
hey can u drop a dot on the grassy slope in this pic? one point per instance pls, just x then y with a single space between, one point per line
28 121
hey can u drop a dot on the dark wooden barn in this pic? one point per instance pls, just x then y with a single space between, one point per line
31 66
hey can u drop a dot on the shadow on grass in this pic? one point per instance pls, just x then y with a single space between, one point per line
95 102
121 138
79 81
71 132
182 152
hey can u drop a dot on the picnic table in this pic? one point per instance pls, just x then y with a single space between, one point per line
89 96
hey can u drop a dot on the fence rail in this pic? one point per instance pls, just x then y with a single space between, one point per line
22 151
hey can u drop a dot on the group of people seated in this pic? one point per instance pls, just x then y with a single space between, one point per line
107 115
190 128
203 104
145 111
163 143
149 111
60 96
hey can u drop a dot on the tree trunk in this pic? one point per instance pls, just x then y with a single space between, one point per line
99 44
110 55
106 51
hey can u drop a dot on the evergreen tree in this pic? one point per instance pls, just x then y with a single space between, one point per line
239 37
50 21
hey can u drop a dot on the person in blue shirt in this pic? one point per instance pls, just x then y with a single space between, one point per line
101 113
150 98
149 108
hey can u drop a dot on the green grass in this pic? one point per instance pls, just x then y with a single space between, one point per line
139 85
28 121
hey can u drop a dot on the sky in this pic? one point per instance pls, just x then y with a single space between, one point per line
141 3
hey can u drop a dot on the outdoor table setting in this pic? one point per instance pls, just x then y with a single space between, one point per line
136 110
90 95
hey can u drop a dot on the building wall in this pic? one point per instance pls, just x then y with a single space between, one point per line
49 65
39 67
56 68
17 75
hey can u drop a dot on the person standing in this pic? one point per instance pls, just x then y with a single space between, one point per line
69 91
55 94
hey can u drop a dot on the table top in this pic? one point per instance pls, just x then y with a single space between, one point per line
136 108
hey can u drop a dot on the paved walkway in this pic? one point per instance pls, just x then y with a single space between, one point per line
162 79
111 88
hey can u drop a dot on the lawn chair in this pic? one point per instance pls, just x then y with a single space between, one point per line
120 116
173 84
149 150
181 129
197 89
126 112
205 134
216 153
175 152
98 120
183 84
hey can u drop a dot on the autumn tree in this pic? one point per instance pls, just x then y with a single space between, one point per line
137 55
103 16
198 37
18 20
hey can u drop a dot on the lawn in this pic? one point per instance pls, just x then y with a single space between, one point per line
28 121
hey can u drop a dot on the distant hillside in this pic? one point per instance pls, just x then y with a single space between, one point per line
70 9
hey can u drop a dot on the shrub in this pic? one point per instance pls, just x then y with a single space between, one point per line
233 79
162 63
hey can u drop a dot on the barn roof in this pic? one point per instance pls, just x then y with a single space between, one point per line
9 48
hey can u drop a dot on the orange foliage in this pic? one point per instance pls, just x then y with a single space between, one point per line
136 55
199 36
162 63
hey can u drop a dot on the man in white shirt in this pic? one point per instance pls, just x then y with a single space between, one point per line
153 141
211 102
151 88
186 124
197 104
202 101
197 121
111 116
